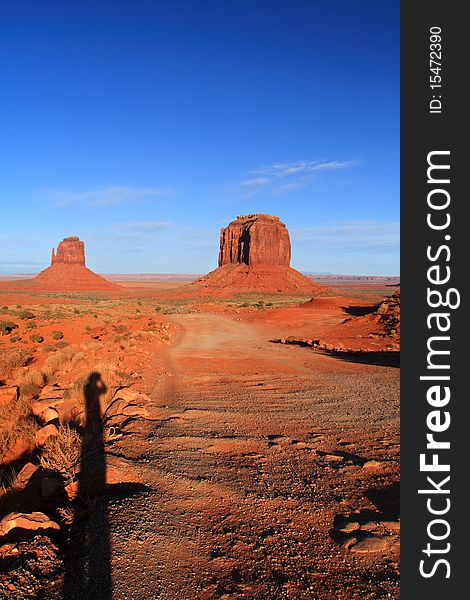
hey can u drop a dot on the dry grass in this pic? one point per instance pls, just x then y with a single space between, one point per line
110 377
15 428
30 382
8 481
62 452
78 511
68 356
13 358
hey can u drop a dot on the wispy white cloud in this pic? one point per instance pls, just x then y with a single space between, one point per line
256 181
107 196
351 236
281 178
136 232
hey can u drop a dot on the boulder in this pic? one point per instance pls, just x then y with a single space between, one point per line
43 434
26 474
21 526
8 394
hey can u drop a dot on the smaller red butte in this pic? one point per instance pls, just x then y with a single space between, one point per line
68 271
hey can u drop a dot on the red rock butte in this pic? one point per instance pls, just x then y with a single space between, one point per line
68 272
255 256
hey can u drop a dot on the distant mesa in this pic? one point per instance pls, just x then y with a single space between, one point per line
255 256
68 272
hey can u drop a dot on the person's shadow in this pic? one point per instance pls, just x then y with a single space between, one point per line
87 561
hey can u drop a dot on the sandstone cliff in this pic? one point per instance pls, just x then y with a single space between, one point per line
255 240
254 256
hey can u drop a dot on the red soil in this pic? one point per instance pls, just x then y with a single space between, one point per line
240 278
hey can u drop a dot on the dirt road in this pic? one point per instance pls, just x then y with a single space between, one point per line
259 454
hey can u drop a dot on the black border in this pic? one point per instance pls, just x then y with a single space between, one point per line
422 132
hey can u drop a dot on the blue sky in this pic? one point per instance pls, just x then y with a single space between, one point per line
146 126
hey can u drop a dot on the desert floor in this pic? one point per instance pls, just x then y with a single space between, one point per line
259 470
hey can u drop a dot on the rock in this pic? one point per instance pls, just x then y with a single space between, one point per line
43 434
26 473
391 525
51 487
371 464
370 526
348 541
349 527
68 271
40 408
116 407
45 413
133 410
51 393
369 545
8 394
22 526
255 239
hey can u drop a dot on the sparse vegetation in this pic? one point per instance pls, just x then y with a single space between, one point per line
57 335
6 327
36 337
69 355
12 359
26 314
61 453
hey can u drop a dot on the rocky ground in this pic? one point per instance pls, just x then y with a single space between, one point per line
227 465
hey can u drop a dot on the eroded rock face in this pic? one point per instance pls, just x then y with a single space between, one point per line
257 239
71 250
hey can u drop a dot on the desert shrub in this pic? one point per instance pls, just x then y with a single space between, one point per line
15 338
36 337
76 311
30 325
30 389
26 314
61 453
12 359
120 328
57 335
62 344
92 345
17 423
87 328
30 384
7 327
61 358
110 377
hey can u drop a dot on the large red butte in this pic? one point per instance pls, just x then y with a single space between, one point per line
255 256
